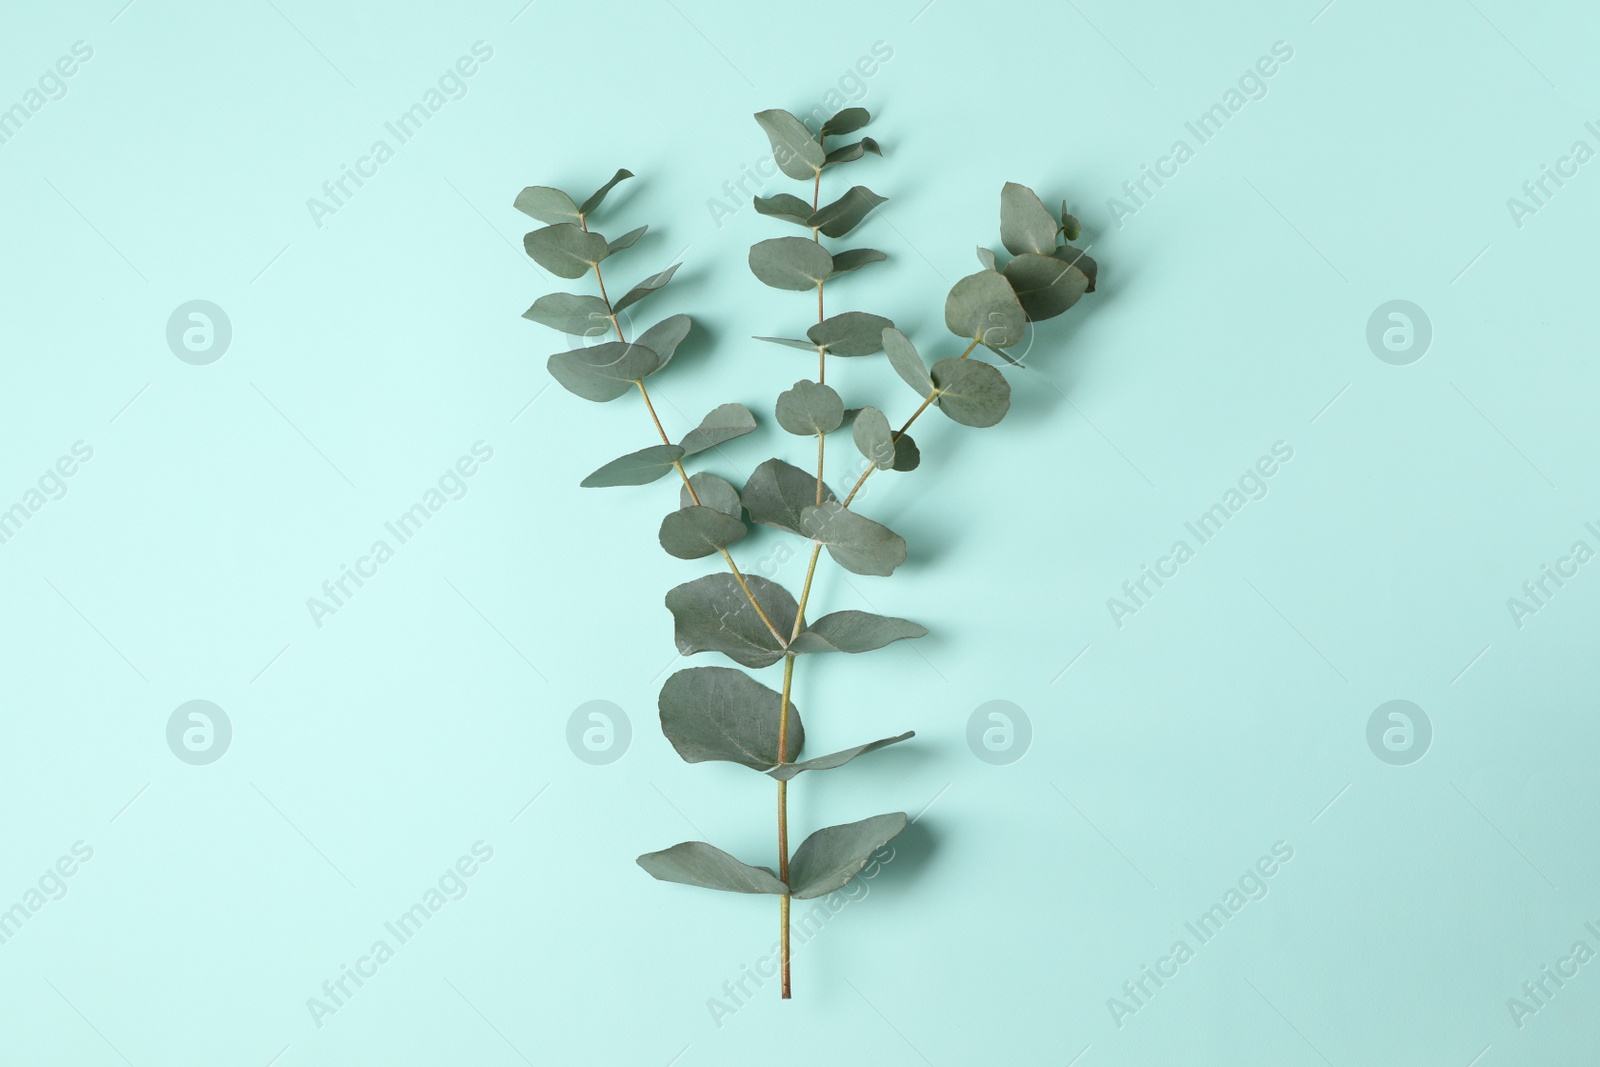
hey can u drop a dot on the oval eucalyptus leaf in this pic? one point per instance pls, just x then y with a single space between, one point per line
602 372
851 152
580 316
636 468
785 771
550 206
713 492
796 152
849 120
721 424
1070 227
852 333
646 287
697 863
565 250
694 532
1025 223
790 263
664 337
785 206
1045 286
792 342
626 240
718 713
600 193
845 214
986 257
855 542
907 456
906 362
778 492
809 409
829 858
971 392
874 438
855 631
984 308
712 614
854 259
1082 260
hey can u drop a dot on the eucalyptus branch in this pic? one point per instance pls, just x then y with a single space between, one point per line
719 713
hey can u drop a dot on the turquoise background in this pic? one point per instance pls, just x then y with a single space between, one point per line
430 712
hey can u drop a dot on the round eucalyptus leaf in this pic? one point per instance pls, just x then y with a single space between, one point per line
604 371
626 240
697 863
849 120
565 250
790 263
847 212
855 631
1082 260
646 287
906 362
550 206
796 152
722 423
851 152
580 316
636 468
852 333
809 409
971 391
600 193
792 342
986 258
1045 286
712 614
1070 227
778 492
785 206
854 259
696 531
907 456
664 337
829 858
786 771
982 307
855 542
1025 223
874 438
718 713
713 492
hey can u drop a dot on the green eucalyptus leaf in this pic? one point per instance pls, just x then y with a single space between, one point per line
855 631
790 263
983 307
626 240
778 492
971 391
792 342
785 771
605 371
718 713
550 206
696 531
721 424
809 409
907 456
664 337
1082 260
906 362
1045 286
697 863
796 152
986 257
636 468
712 614
849 120
852 333
713 492
855 542
854 259
829 858
1070 227
565 250
785 206
845 214
851 152
600 193
874 438
1025 223
646 287
580 316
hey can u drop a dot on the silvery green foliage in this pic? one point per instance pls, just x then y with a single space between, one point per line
721 713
